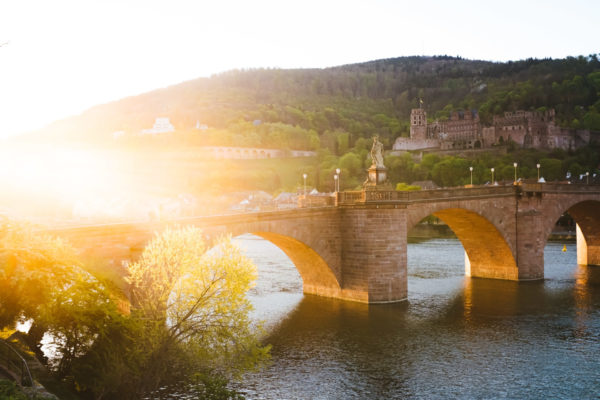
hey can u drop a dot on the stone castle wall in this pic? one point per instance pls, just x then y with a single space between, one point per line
464 130
407 144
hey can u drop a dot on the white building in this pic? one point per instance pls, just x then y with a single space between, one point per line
200 127
161 125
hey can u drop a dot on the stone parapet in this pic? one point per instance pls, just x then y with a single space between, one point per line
406 197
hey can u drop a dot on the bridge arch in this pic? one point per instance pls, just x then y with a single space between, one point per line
311 244
317 276
586 214
487 252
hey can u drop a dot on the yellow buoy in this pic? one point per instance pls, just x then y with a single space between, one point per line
565 247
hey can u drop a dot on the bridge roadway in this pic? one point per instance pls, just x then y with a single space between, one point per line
356 249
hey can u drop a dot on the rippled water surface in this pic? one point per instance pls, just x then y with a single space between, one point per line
456 337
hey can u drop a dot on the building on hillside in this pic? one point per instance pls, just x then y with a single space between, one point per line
200 127
425 185
464 130
286 200
161 125
526 128
249 153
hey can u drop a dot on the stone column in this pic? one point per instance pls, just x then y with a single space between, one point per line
530 244
374 254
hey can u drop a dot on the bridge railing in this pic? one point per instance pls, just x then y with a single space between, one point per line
315 201
482 191
350 197
392 196
15 364
560 187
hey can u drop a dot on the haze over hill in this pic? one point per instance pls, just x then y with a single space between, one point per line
363 99
333 111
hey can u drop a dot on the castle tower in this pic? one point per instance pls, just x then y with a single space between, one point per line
418 124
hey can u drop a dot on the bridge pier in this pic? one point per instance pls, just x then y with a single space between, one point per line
530 241
374 254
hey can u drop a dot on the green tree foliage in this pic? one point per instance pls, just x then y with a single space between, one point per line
450 171
35 270
42 282
551 169
279 108
199 296
10 391
403 187
189 314
401 169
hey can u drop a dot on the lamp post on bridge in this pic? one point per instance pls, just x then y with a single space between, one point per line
538 168
492 175
471 169
335 182
339 179
515 165
587 177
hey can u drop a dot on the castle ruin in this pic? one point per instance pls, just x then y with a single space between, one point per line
464 130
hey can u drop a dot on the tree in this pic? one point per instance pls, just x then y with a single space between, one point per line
400 168
35 271
451 171
404 187
351 163
194 304
189 313
42 282
551 169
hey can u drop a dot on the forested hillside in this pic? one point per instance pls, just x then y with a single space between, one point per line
336 111
333 107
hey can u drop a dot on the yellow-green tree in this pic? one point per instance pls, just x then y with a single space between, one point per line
42 282
189 314
194 304
34 269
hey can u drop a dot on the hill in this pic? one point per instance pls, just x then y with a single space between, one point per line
334 111
333 107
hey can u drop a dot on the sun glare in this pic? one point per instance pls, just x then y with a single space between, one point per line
67 172
32 176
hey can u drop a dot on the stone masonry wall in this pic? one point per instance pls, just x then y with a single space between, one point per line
374 254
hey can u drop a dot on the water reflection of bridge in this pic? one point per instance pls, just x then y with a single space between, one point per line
356 250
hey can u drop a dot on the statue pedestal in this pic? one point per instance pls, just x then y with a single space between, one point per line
377 179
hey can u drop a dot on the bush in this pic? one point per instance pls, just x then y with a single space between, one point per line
403 187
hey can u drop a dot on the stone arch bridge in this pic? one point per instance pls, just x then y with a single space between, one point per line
356 250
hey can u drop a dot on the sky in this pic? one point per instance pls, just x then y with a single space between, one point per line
61 57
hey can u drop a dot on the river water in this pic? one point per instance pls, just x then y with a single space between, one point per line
455 337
